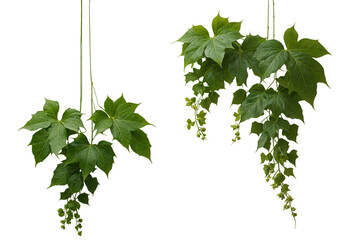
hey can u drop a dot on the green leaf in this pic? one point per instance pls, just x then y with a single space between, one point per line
195 51
193 34
39 120
75 182
206 103
89 155
216 46
237 60
254 104
289 172
214 97
291 133
83 198
62 172
292 156
271 127
101 120
310 47
303 75
192 76
51 108
199 89
123 124
40 145
279 178
105 157
213 75
290 37
272 57
218 22
71 119
282 102
239 96
264 141
140 144
57 137
282 146
91 183
65 195
110 107
256 128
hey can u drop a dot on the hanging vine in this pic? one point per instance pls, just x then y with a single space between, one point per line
273 102
67 137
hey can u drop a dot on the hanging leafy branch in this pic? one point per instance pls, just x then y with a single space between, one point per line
229 56
67 137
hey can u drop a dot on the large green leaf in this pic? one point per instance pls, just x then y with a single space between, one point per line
198 43
89 155
62 172
281 101
254 104
303 75
237 60
40 145
272 57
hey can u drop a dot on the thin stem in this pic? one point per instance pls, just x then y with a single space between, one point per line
268 20
81 56
91 79
273 19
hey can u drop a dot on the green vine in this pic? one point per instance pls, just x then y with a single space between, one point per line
227 56
67 137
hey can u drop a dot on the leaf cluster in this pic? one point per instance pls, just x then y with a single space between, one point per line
66 137
227 56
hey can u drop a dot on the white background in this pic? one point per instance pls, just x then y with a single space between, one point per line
194 190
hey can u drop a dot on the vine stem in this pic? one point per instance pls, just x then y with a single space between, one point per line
91 79
273 19
81 56
268 20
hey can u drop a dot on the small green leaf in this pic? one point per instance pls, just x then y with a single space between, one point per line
256 128
51 108
213 96
271 127
279 178
199 89
264 141
75 182
65 195
282 146
71 119
110 107
101 120
289 172
292 156
239 96
140 144
218 22
291 133
83 198
39 120
40 145
290 37
91 183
